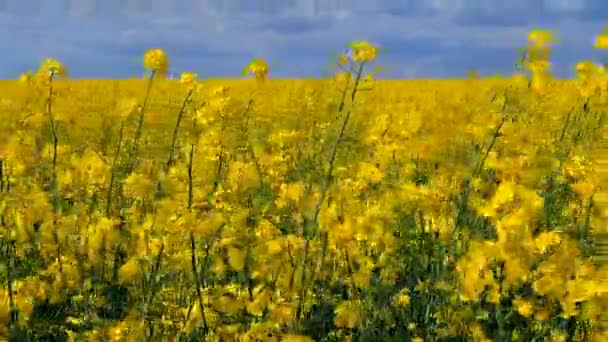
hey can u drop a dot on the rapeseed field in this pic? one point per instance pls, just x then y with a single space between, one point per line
340 209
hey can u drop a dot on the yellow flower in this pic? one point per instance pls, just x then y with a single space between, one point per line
477 333
363 51
26 77
296 338
138 185
403 298
540 38
585 67
127 106
221 91
157 61
188 78
256 308
227 303
236 258
601 41
282 313
274 246
51 66
348 315
583 189
343 77
259 68
598 336
545 240
524 307
558 337
129 271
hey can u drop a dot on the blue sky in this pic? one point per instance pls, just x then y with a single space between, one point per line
420 38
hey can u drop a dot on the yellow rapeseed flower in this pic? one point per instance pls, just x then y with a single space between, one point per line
188 78
157 61
51 66
236 258
26 77
127 106
348 315
545 240
403 298
601 41
363 51
524 307
296 338
343 77
221 91
258 68
585 67
138 185
129 271
274 246
541 38
282 313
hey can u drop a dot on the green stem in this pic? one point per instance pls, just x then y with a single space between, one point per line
135 148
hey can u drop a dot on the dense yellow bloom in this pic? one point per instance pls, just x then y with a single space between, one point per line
282 313
363 51
188 78
541 38
26 77
545 240
51 66
274 247
601 41
129 271
138 185
584 189
127 106
296 338
585 67
524 307
259 68
157 61
228 303
348 315
402 298
221 91
236 258
343 78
